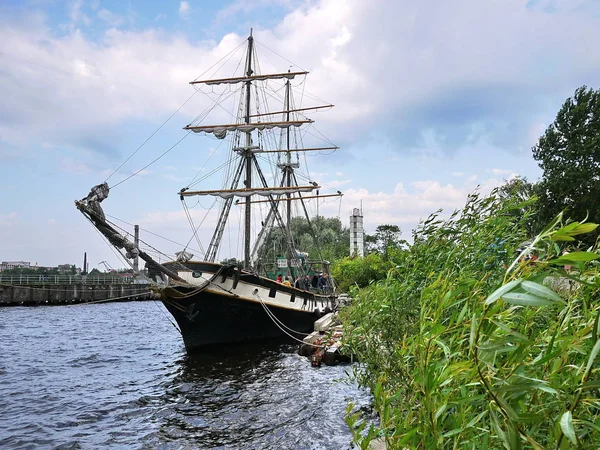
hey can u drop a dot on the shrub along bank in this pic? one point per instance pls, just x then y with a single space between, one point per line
468 344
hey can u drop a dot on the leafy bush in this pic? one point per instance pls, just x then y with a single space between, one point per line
359 272
467 344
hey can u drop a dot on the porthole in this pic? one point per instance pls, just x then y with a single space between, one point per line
196 274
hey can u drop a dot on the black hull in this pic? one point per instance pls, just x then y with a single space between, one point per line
208 319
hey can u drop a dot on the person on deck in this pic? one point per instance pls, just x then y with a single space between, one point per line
314 282
298 284
278 278
287 281
323 283
306 286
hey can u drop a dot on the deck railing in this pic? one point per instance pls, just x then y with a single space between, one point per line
69 279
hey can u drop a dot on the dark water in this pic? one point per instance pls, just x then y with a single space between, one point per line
117 376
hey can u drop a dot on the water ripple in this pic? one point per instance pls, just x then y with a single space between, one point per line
117 376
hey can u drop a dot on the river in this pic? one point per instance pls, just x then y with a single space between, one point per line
116 375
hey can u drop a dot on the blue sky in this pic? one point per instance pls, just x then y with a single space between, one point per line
432 100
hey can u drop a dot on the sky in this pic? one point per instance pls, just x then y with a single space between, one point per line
432 101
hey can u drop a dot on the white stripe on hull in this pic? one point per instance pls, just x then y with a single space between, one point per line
255 293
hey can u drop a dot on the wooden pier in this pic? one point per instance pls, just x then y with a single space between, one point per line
69 290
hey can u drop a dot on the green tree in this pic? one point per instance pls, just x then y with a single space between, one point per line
370 243
569 155
333 240
386 237
521 192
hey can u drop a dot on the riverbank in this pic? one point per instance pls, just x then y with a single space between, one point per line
475 339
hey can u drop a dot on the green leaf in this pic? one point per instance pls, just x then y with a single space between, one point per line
452 432
498 429
463 311
548 389
440 411
566 425
476 419
591 384
501 291
595 330
574 257
509 330
473 328
562 237
522 299
591 359
584 228
541 291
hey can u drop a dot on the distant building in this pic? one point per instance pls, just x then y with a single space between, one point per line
8 265
357 233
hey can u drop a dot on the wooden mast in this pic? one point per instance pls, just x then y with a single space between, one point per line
248 156
288 168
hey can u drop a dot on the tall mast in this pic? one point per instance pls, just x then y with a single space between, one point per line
248 155
289 157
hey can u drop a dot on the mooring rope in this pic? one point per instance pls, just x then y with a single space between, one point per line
277 322
113 299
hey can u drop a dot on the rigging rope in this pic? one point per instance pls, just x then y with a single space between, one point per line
150 137
276 321
191 222
228 56
156 159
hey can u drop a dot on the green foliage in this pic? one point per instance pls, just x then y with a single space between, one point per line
35 270
569 155
385 239
333 239
468 344
359 272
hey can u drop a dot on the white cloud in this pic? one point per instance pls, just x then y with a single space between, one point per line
8 219
72 166
77 15
406 207
114 20
184 8
140 74
337 183
501 171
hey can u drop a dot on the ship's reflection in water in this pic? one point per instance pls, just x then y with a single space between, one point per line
117 376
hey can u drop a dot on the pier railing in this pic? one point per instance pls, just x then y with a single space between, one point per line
68 279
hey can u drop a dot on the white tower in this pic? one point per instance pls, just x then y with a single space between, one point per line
357 233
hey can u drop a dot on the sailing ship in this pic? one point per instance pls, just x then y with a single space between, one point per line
223 302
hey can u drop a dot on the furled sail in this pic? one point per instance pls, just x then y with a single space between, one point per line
233 80
220 131
228 193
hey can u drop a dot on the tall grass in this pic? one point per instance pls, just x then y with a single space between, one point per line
467 344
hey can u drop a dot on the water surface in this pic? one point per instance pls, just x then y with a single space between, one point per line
116 375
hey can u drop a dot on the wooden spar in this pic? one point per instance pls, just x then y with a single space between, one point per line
257 190
248 156
293 198
231 80
310 149
234 126
292 110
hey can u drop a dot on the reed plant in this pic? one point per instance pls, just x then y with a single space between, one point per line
479 340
